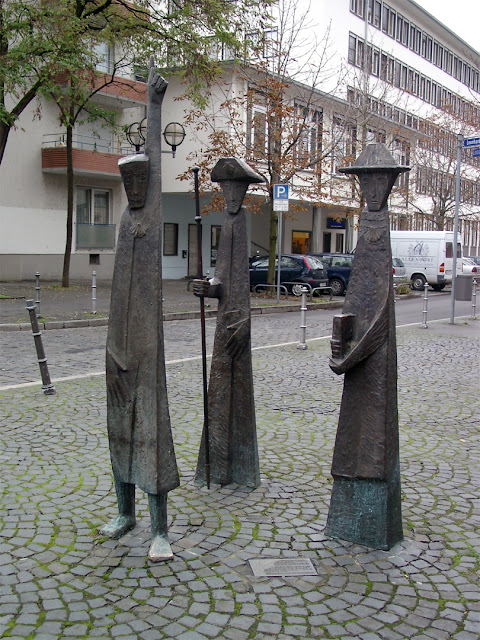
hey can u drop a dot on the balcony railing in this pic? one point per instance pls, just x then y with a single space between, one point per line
95 236
92 143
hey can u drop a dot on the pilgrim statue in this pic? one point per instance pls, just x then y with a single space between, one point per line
231 408
140 437
365 504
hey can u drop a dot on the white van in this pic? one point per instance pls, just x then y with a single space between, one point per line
428 256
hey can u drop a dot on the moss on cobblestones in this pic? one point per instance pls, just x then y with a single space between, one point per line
59 491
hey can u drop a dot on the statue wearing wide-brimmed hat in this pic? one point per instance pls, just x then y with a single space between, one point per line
365 505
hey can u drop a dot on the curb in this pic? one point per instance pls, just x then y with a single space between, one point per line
183 315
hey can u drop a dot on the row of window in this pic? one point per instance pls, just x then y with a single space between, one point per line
309 123
429 180
435 138
470 229
393 71
394 24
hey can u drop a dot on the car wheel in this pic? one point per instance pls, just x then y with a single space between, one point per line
297 289
438 287
337 286
418 282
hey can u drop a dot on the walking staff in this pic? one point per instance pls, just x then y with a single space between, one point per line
198 220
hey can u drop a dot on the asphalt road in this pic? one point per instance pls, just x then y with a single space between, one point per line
74 352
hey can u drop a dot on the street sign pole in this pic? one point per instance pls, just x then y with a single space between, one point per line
280 204
280 214
460 144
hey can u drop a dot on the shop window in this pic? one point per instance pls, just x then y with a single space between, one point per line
301 241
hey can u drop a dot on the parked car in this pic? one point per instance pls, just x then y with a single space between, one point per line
470 266
294 267
339 266
399 271
476 259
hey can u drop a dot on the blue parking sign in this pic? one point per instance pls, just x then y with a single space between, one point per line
280 191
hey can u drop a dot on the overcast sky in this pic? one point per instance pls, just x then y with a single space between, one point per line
461 16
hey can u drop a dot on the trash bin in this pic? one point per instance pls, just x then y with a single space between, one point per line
463 287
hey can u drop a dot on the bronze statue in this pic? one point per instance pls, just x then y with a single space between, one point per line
365 505
141 444
231 409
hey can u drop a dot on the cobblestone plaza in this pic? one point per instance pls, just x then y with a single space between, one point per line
60 579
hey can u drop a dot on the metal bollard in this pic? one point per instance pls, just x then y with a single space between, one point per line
425 307
303 320
94 292
395 293
47 386
474 299
37 293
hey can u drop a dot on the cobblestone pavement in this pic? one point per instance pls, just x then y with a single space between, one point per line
82 350
60 579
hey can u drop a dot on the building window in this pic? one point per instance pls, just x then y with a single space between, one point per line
93 206
105 57
301 241
94 230
309 141
214 242
258 132
170 239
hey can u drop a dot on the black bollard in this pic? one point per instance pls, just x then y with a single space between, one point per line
47 386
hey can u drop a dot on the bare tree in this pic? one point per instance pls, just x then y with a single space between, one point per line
270 111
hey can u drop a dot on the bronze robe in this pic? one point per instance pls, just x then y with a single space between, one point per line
231 406
141 444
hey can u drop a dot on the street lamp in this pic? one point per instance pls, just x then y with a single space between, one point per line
136 134
174 135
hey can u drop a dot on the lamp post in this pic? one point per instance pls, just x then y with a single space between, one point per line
173 134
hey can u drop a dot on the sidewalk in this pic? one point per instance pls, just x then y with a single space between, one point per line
59 579
72 307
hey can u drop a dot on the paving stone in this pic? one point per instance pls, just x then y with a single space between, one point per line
59 491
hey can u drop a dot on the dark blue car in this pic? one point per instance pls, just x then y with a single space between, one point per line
339 267
294 267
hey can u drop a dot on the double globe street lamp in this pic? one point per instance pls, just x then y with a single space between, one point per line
173 134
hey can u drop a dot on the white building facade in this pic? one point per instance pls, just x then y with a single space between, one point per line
399 68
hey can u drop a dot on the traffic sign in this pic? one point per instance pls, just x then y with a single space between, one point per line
280 191
280 205
476 152
471 142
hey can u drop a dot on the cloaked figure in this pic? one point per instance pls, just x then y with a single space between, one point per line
365 504
231 408
139 432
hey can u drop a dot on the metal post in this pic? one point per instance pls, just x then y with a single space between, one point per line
94 292
47 386
455 227
37 293
425 306
395 293
206 430
303 320
279 254
474 299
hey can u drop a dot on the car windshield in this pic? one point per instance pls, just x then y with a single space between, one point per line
397 262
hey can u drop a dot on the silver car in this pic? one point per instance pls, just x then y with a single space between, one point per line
399 272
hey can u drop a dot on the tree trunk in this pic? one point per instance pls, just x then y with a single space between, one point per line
4 131
272 245
68 242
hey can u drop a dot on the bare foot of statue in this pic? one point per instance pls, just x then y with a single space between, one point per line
118 526
160 549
